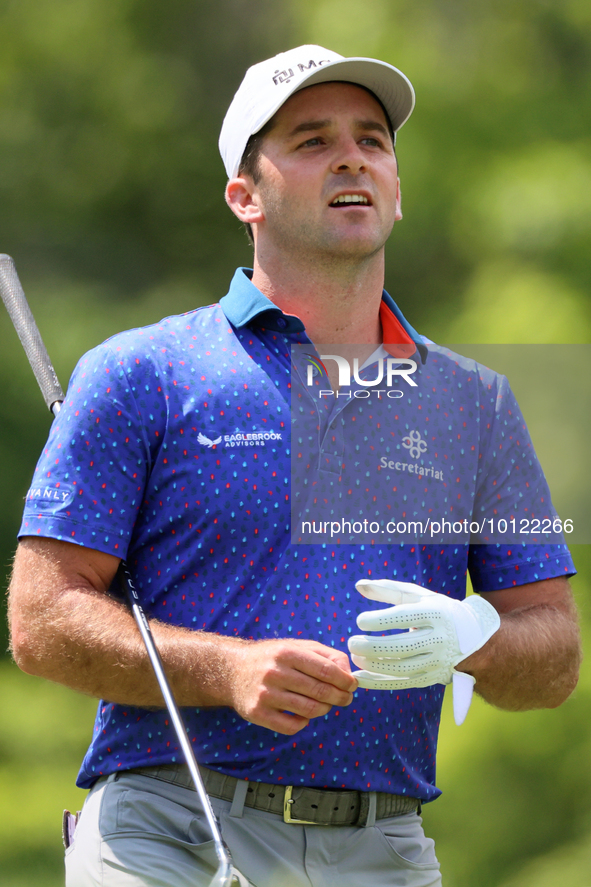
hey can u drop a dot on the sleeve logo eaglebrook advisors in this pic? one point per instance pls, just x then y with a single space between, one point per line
207 441
240 439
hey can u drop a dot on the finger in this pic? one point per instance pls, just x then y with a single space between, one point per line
403 616
280 722
369 681
339 657
415 666
394 646
391 591
322 668
304 706
285 701
284 711
319 691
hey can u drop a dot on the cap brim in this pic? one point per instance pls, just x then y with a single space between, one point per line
390 85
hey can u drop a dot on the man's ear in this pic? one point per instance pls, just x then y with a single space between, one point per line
398 215
242 200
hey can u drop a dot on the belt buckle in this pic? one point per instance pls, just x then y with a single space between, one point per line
287 804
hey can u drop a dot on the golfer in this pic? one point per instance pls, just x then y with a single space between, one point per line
173 451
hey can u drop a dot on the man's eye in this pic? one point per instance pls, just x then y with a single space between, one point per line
311 142
369 140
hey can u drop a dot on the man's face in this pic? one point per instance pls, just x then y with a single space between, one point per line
328 175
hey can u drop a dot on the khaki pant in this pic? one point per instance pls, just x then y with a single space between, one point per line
136 831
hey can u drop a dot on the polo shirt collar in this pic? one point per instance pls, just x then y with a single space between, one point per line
244 304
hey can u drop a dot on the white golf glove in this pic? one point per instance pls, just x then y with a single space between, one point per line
441 632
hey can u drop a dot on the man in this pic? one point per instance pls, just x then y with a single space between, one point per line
172 451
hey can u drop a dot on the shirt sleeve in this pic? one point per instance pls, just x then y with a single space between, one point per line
494 567
512 502
88 484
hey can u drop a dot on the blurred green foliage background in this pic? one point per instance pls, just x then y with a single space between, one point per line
111 204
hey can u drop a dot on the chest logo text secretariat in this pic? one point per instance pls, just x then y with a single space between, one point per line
416 446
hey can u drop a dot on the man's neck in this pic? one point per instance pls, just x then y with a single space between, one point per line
337 304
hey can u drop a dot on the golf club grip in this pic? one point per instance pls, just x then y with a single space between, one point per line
24 323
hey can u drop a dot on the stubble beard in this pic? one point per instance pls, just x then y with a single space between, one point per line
302 241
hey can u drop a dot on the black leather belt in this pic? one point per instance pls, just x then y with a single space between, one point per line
299 805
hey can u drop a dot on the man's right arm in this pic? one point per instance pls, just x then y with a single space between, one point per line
66 628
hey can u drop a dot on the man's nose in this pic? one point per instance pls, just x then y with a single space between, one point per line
349 158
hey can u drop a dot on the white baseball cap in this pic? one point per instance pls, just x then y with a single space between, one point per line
267 85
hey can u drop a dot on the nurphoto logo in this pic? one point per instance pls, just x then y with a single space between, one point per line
403 367
387 370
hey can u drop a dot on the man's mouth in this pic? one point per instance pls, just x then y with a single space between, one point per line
350 199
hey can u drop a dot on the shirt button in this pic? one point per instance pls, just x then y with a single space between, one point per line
281 323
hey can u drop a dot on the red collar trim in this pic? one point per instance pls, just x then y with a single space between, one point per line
396 340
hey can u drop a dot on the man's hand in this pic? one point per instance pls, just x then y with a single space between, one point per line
282 684
439 632
66 628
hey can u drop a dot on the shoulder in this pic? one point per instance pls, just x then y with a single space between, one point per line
463 380
175 334
461 366
178 330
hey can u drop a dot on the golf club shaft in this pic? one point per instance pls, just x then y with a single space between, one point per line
223 877
22 318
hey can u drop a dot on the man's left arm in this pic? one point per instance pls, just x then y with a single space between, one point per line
533 660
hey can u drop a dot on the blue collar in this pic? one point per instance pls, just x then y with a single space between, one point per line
245 304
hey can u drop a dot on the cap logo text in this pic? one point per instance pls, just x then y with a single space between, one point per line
285 76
